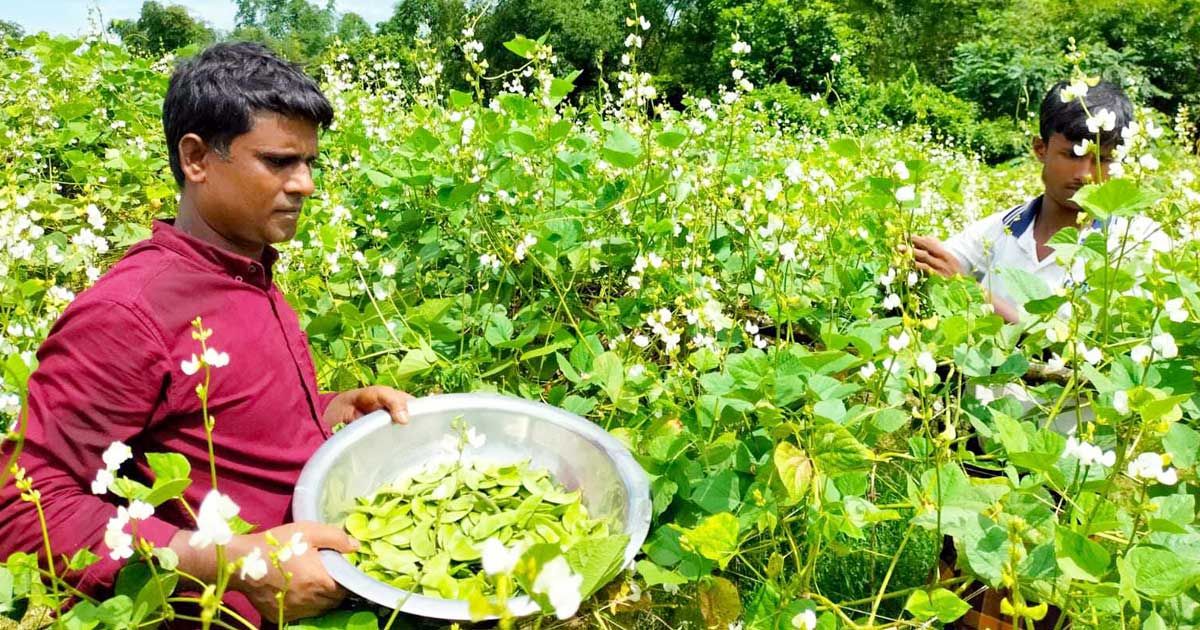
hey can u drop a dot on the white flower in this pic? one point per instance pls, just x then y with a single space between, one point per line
1120 402
636 370
888 278
1088 454
388 269
212 521
898 342
925 362
561 586
140 510
527 242
1077 89
892 301
190 366
497 558
103 481
984 395
772 189
214 358
912 278
641 341
760 275
835 58
788 251
793 171
806 620
1055 363
1152 466
1091 355
906 193
1164 345
1103 119
751 328
1141 353
1176 310
900 169
741 48
120 544
634 282
1148 162
293 548
867 371
116 454
1082 148
254 567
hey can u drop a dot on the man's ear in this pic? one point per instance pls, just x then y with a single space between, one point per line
1039 149
192 153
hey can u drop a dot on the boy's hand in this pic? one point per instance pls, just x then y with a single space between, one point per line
348 406
930 256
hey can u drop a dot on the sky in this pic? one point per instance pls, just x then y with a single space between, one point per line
70 17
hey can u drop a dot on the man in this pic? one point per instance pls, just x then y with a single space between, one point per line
1018 238
241 128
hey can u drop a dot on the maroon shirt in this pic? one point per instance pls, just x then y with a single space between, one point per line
110 370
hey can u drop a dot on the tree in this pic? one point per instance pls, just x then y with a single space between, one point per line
296 28
352 27
160 29
11 30
445 20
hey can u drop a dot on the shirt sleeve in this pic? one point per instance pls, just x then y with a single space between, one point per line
101 375
973 245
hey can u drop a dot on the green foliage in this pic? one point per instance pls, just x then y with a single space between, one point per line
297 29
160 29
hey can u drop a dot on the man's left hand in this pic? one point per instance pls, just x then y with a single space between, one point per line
930 256
350 405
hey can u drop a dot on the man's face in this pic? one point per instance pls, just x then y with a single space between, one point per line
1064 172
253 196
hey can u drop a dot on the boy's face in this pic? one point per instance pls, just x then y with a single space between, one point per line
253 196
1064 172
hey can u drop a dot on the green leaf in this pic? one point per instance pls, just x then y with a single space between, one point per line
1080 558
1161 573
835 450
715 538
718 493
795 470
621 148
597 560
609 371
1024 286
940 604
1183 443
338 620
167 466
1115 197
658 576
521 46
82 559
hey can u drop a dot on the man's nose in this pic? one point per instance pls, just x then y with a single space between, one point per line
301 182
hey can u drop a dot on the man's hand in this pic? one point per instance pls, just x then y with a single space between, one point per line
311 590
930 256
350 405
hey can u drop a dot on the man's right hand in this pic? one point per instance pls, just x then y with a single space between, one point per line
311 591
931 256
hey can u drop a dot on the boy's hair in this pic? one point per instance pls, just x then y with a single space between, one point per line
1070 120
216 94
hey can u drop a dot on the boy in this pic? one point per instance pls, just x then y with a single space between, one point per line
1018 238
119 365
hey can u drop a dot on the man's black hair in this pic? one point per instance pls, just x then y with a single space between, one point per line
217 93
1070 120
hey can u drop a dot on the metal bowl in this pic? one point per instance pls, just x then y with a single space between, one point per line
373 451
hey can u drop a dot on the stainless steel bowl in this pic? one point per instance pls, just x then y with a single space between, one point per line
373 451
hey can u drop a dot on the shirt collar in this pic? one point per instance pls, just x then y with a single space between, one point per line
238 267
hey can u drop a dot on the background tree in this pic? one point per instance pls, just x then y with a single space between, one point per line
160 29
297 28
352 27
11 30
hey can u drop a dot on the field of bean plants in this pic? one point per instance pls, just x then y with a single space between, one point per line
833 439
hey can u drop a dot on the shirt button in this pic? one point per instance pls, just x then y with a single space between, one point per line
238 278
253 268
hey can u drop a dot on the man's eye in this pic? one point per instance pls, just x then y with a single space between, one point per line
280 162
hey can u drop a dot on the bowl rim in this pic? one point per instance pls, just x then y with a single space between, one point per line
305 499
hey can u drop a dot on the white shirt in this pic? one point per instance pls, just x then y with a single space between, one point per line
1004 240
